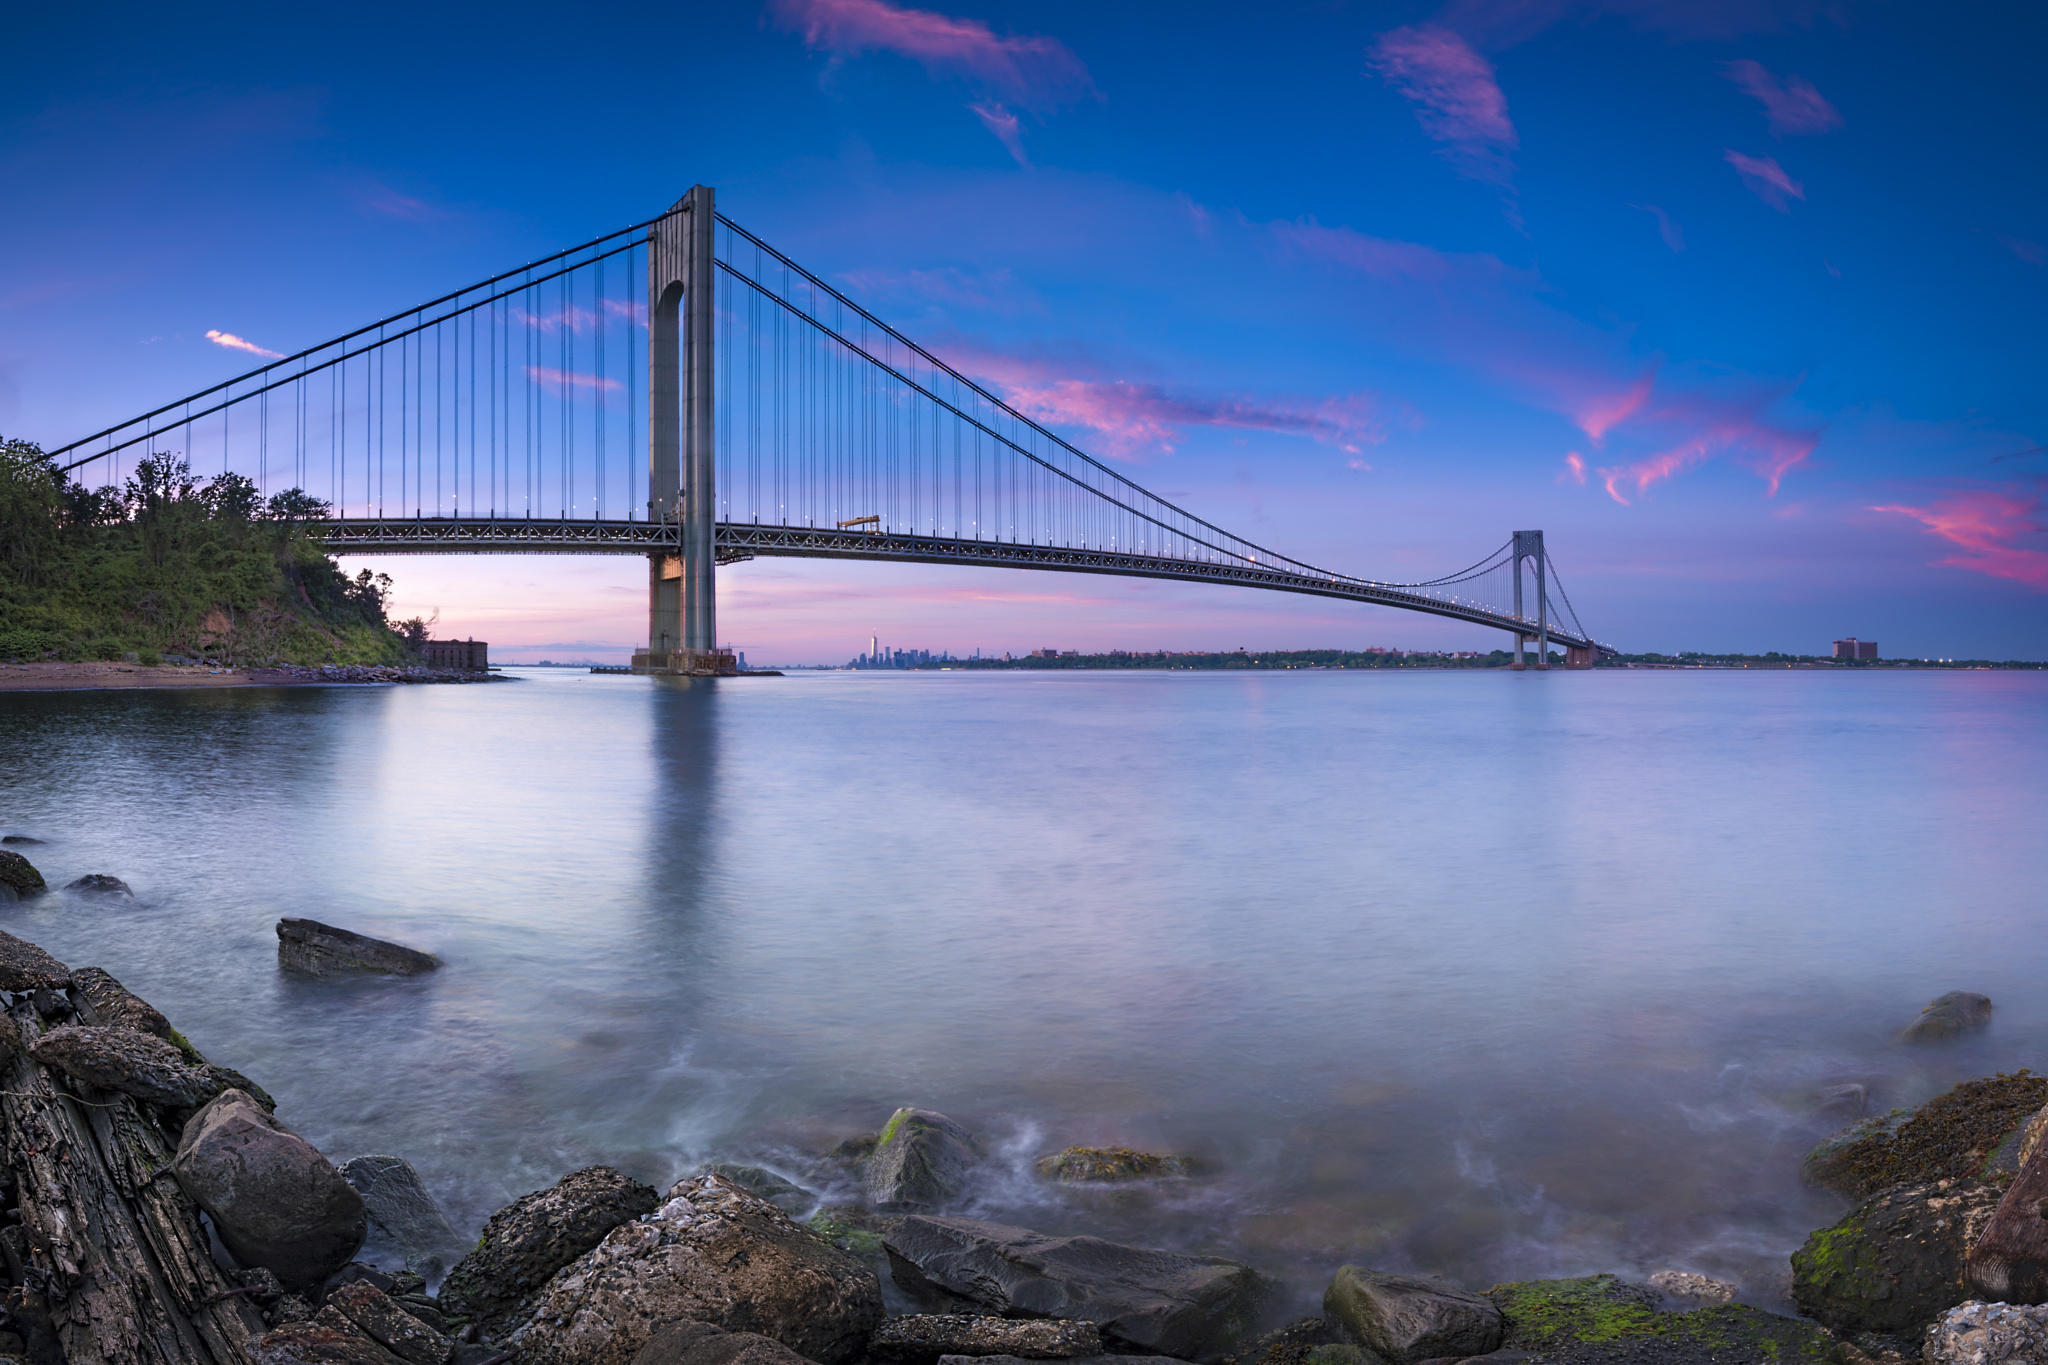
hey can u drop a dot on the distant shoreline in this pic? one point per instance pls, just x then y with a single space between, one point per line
105 676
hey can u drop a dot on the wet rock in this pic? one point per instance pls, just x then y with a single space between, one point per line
138 1064
1949 1016
1896 1260
20 840
1159 1301
536 1235
401 1210
1958 1134
19 875
1600 1320
920 1339
711 1253
1536 1314
1297 1342
1407 1319
311 948
1844 1103
115 1006
274 1200
1078 1165
786 1195
99 884
922 1159
1687 1288
317 1342
701 1343
1979 1333
1076 1360
855 1230
25 967
374 1314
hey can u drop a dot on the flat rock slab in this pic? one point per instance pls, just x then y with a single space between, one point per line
1158 1301
1407 1319
317 1343
124 1059
118 1007
922 1338
401 1209
373 1313
25 967
311 948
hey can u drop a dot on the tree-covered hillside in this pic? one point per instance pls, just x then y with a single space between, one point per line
170 565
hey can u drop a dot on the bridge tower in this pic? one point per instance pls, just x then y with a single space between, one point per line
682 623
1529 546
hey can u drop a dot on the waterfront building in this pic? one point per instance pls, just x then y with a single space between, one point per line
1853 648
469 654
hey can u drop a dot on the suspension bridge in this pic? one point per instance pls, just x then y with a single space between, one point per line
681 390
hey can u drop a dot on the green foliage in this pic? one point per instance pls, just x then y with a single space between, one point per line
170 565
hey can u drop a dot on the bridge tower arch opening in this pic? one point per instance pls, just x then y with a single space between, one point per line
682 614
1529 549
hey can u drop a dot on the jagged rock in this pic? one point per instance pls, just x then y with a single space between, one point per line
1979 1333
316 1342
920 1339
786 1195
138 1064
1966 1131
315 949
99 884
11 1045
1949 1016
19 875
373 1313
1893 1262
701 1343
1686 1287
274 1200
1078 1165
116 1006
400 1208
25 967
1156 1300
537 1234
1407 1319
291 1308
711 1253
2009 1261
921 1159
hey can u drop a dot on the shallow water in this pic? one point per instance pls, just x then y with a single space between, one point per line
1473 973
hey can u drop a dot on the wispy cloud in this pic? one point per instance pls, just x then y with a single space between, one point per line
987 291
235 343
1574 468
1988 526
562 381
1003 124
1029 70
1711 426
382 199
1793 105
1382 257
1673 236
1605 412
1766 179
2033 253
1457 100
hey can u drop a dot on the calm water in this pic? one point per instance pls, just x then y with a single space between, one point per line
1473 973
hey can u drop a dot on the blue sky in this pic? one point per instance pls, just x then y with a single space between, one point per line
1739 302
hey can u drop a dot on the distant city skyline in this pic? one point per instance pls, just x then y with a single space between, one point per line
1739 303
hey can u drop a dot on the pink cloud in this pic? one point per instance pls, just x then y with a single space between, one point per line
1383 257
1574 468
1132 417
1603 414
562 381
1003 124
1987 524
235 343
1667 229
1712 427
1766 179
1456 98
1032 71
2033 253
1793 105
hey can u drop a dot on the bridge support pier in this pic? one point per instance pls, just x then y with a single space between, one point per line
1529 547
1580 656
682 624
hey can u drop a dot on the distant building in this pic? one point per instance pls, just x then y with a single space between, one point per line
1853 648
470 654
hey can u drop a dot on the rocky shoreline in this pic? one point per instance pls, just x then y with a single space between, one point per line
155 1208
96 677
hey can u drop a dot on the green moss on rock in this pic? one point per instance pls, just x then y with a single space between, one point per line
1102 1164
1895 1261
1601 1320
1953 1136
1592 1308
19 876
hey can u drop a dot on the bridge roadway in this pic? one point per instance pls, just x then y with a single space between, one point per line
735 541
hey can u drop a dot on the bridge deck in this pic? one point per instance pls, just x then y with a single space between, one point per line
744 540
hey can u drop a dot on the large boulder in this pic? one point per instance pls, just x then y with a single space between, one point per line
1949 1016
1895 1261
1961 1133
712 1253
534 1236
19 876
1103 1165
134 1063
921 1338
1159 1301
274 1200
922 1159
115 1006
25 967
1407 1319
311 948
401 1210
702 1343
1978 1333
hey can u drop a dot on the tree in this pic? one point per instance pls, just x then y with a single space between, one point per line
31 505
232 497
295 505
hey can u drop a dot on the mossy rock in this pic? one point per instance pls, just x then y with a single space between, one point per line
1895 1262
1601 1320
854 1230
1592 1308
19 876
1967 1133
1091 1165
